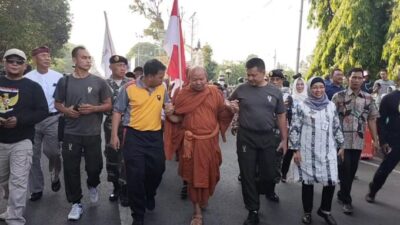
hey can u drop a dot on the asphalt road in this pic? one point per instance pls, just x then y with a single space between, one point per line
225 207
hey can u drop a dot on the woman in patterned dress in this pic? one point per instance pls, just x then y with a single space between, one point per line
315 135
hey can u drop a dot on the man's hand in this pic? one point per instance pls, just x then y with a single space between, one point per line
297 157
115 143
386 149
86 109
341 154
282 146
11 122
375 146
234 106
169 109
70 112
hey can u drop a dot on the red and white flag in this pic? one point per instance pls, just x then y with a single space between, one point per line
175 48
108 50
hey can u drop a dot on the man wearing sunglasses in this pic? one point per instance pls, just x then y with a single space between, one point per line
22 105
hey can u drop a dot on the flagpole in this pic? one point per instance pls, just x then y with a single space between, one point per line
179 52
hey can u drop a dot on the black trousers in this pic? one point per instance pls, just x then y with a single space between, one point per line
73 148
347 170
258 163
287 159
115 165
388 164
145 164
308 197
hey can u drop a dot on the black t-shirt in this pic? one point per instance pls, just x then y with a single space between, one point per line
25 100
389 120
258 106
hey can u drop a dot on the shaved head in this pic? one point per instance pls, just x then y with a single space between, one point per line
198 78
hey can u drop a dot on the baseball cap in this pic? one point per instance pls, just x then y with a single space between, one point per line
16 52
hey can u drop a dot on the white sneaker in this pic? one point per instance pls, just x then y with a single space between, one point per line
93 194
76 212
3 216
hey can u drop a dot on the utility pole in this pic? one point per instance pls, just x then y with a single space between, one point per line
274 58
299 38
192 35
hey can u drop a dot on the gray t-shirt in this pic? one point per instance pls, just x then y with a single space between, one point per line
384 86
89 90
258 106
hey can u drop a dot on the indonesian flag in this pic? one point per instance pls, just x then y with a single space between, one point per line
108 50
175 48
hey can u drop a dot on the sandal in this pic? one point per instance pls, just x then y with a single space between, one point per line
184 191
196 220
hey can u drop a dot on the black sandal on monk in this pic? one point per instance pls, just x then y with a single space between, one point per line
184 191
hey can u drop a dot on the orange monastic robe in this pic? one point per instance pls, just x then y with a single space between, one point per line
204 117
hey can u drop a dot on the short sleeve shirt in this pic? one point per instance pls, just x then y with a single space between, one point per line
258 106
48 82
354 110
89 90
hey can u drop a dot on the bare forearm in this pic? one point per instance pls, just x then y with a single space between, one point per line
373 129
60 107
116 120
282 125
105 107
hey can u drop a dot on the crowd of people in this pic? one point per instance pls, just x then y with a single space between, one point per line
314 129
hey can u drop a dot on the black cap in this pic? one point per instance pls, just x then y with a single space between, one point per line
118 59
276 73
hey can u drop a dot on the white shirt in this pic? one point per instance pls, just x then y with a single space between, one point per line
48 82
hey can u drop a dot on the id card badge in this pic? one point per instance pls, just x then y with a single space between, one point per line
325 126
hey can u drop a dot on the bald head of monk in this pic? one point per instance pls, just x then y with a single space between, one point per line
197 78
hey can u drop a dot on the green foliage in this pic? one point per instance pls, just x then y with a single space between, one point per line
64 64
27 24
354 36
321 13
232 71
210 65
391 49
150 9
144 51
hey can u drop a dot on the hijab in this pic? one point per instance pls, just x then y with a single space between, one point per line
312 101
299 96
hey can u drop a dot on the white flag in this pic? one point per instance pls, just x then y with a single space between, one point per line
108 50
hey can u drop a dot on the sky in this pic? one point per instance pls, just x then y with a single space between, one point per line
233 28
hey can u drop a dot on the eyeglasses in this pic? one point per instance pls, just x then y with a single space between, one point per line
17 61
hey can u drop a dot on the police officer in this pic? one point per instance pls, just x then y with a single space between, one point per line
114 162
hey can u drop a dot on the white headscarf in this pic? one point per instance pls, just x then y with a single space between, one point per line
297 95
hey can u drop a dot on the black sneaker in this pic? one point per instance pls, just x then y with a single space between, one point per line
370 198
347 209
272 197
252 218
36 196
114 196
150 203
55 185
327 217
306 219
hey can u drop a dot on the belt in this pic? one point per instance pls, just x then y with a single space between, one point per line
53 114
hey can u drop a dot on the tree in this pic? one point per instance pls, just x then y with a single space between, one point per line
232 71
64 64
150 9
251 56
210 65
144 51
391 51
354 36
26 24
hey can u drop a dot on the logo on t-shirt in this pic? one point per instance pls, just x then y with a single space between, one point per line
8 99
89 90
269 98
159 97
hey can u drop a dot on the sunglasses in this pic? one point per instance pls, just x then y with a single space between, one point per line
17 61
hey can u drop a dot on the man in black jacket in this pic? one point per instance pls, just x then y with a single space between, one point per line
22 105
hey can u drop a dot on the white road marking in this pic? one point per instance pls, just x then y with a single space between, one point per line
376 165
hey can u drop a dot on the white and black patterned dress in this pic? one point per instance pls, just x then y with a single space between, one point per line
318 135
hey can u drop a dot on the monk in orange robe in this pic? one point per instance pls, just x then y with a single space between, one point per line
202 114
